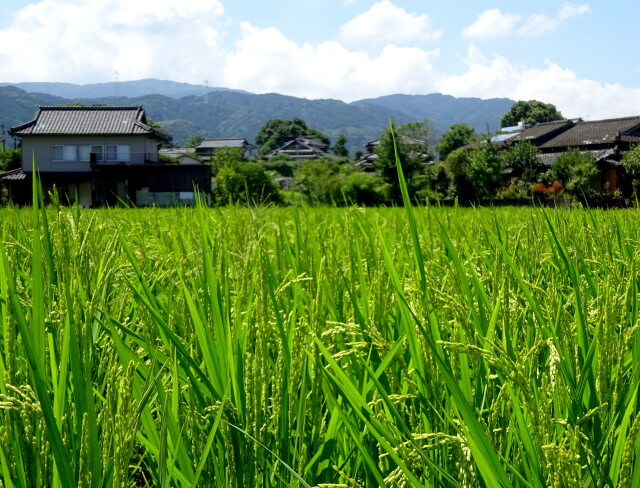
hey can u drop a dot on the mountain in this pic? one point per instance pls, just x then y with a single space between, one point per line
229 113
129 89
445 110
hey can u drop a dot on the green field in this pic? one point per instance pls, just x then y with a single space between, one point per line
305 347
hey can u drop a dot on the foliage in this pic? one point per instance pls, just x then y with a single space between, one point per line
340 147
164 159
247 182
531 113
457 136
457 167
522 157
435 183
226 156
631 164
326 182
167 138
412 144
194 140
485 170
276 132
10 159
281 164
575 171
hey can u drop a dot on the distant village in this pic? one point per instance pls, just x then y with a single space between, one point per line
102 155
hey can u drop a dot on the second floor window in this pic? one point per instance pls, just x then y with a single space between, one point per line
65 152
82 152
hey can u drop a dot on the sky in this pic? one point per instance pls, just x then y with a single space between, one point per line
580 56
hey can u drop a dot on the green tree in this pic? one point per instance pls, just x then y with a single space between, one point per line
194 140
340 147
457 167
167 138
244 183
631 165
531 113
457 136
276 132
523 158
413 144
10 159
485 170
575 171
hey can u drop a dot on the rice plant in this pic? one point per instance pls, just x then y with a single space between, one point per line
319 347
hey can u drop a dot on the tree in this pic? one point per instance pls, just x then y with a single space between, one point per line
276 132
167 139
523 158
413 144
485 170
10 159
246 183
340 147
574 170
457 136
194 140
631 164
531 113
457 167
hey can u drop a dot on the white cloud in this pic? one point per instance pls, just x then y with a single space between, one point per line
67 40
265 60
574 96
491 24
536 25
386 23
569 10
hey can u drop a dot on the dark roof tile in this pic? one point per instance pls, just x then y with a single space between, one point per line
86 121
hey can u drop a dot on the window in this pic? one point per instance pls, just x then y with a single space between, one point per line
84 152
97 150
64 153
124 153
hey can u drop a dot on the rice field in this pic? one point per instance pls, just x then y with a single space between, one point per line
319 347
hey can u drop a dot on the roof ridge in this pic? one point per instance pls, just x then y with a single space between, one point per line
99 108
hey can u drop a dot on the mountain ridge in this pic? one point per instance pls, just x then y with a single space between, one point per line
235 113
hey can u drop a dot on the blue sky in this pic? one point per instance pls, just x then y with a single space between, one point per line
578 55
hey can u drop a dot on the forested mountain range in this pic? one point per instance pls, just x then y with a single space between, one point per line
186 110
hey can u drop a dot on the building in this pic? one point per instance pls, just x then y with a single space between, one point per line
604 140
301 148
100 156
208 147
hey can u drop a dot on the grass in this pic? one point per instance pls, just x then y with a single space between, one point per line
319 347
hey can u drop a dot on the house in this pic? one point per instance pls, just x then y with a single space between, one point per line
182 155
368 159
605 140
100 156
301 148
208 147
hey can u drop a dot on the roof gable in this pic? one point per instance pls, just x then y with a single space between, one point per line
87 121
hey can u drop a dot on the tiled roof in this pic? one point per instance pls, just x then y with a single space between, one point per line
86 121
599 156
13 175
595 132
218 143
540 131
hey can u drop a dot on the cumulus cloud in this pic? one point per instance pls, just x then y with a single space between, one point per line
574 96
67 40
265 60
385 23
491 24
